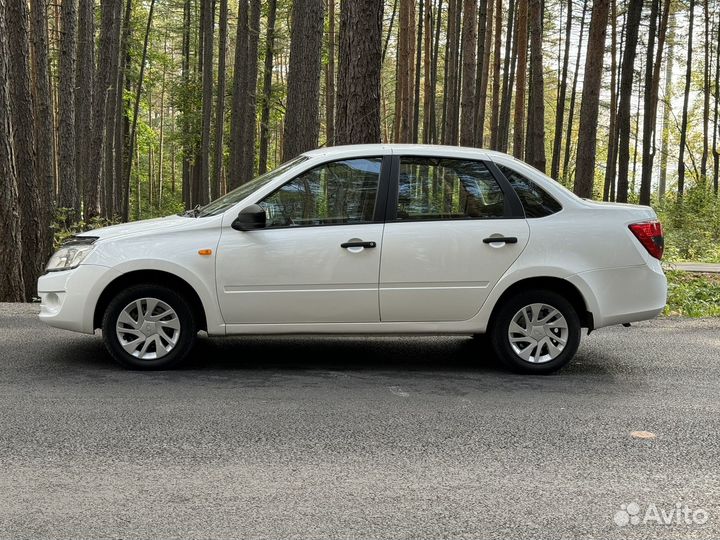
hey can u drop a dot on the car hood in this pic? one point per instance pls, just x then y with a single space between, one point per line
139 227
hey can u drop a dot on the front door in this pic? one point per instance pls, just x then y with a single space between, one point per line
439 259
318 258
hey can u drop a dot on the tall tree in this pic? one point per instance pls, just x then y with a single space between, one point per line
632 24
469 65
428 94
418 66
522 46
12 287
509 61
302 117
358 92
573 94
495 103
23 122
405 72
585 171
716 154
201 191
485 31
186 108
686 98
44 136
68 196
85 76
243 121
667 109
562 94
651 96
610 168
329 75
535 148
450 109
219 147
105 80
267 86
706 94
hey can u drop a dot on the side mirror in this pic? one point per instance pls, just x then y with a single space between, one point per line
250 218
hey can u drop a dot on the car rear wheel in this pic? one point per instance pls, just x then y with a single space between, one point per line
149 327
535 331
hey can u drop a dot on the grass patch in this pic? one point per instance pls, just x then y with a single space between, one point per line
693 295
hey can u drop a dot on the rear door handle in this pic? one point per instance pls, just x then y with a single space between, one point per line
500 239
358 244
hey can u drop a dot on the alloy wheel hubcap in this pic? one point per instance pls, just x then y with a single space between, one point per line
538 333
148 328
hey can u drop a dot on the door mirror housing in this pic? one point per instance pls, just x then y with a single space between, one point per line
250 218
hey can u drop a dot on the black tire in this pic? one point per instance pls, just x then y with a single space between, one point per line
500 325
187 333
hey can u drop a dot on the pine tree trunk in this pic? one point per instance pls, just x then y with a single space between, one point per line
358 90
428 95
85 75
23 122
535 148
219 146
239 97
267 87
249 121
573 95
652 85
405 75
585 163
110 183
329 76
667 109
185 108
485 14
562 94
716 154
610 168
418 66
469 44
133 146
44 139
507 80
12 286
302 124
201 193
520 82
626 82
686 97
706 95
68 196
104 82
495 103
450 125
122 121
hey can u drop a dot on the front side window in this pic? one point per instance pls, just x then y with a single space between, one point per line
535 200
439 188
341 192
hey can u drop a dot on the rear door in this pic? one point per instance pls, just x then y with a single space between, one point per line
454 226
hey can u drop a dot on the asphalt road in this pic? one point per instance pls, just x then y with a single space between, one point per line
351 437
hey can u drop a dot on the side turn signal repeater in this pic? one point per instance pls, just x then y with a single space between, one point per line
205 252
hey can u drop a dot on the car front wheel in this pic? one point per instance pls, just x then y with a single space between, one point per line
536 331
149 327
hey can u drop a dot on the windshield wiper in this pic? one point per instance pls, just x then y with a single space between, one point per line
193 212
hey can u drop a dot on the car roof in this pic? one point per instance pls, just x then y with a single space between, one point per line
400 148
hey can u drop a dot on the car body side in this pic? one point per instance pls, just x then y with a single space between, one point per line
586 246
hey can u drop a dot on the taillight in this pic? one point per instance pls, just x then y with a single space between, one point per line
650 235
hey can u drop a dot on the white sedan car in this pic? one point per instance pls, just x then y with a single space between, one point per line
368 239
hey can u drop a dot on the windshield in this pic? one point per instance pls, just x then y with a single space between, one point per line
218 206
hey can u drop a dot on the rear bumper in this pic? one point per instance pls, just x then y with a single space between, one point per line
68 298
623 295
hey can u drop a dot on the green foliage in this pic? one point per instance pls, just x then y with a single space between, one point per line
692 227
693 295
66 224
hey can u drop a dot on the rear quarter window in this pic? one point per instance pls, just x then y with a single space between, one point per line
536 201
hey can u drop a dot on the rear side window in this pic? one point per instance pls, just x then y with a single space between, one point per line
535 200
446 189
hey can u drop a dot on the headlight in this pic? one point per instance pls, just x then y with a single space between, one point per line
71 254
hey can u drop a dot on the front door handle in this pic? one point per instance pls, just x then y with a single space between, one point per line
358 244
500 239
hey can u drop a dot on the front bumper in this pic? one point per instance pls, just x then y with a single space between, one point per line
68 298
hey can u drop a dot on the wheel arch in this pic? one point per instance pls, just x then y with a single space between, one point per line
155 277
556 284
